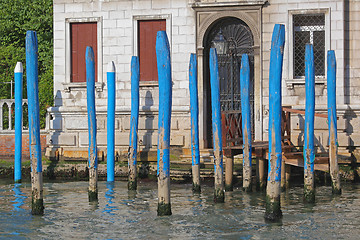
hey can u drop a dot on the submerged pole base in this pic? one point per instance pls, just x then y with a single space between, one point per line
229 187
248 188
336 191
37 206
196 188
272 210
93 196
132 185
309 195
219 196
164 209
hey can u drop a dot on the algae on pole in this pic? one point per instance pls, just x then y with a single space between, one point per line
165 101
273 189
34 123
90 90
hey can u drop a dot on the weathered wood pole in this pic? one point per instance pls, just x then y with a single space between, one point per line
132 162
165 101
309 155
18 120
110 161
37 206
219 195
90 90
194 111
332 121
273 209
246 122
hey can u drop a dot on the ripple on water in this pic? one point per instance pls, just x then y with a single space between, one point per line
120 213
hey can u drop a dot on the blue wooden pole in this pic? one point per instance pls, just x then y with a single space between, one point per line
194 111
34 122
134 122
110 161
332 121
246 121
90 89
165 101
18 120
272 208
309 155
216 127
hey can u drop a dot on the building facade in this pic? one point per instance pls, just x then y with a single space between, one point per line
119 29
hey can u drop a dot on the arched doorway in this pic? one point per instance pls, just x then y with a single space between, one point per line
231 37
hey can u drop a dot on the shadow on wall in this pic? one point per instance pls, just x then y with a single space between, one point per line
149 121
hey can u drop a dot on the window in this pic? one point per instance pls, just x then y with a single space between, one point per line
147 30
82 35
308 28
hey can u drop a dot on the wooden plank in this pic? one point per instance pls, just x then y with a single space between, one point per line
322 115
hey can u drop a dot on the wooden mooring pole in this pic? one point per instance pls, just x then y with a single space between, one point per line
272 207
246 121
194 111
165 101
18 76
309 155
111 88
37 206
219 195
90 89
333 149
134 120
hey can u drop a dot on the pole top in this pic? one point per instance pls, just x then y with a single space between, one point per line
111 67
18 68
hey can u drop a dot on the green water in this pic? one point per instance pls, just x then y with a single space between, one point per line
123 214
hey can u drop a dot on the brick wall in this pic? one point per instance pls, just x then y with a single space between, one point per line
7 145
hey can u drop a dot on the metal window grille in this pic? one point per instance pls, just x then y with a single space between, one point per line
309 28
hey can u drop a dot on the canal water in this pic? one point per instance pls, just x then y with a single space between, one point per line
123 214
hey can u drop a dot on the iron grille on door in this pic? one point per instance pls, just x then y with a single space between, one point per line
232 38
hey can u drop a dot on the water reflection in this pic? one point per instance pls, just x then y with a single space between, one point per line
109 195
19 198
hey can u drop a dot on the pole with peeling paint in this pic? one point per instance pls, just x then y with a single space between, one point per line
332 121
132 162
165 101
246 121
309 155
18 75
110 161
272 207
37 206
216 127
90 90
194 111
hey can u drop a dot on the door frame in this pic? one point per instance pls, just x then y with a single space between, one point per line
205 17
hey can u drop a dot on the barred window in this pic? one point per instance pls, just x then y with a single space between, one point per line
309 28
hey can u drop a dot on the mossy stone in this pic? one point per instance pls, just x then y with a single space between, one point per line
37 206
93 196
272 209
164 209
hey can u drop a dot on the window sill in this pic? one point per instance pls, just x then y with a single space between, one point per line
81 85
148 84
290 83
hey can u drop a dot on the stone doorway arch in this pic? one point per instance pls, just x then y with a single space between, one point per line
206 19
